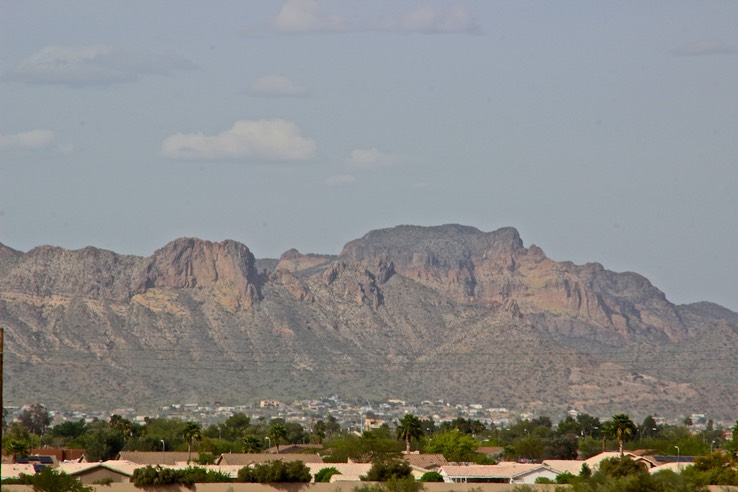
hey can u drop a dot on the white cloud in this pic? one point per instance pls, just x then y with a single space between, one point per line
276 86
706 47
307 16
93 65
367 159
430 20
34 139
270 140
340 180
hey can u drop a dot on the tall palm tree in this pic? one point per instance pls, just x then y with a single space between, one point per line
192 431
619 427
408 427
278 433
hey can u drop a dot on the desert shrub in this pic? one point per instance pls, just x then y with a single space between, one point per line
431 476
621 467
156 476
325 474
52 480
383 471
153 475
405 484
276 472
205 458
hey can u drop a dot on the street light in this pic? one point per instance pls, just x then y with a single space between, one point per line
712 445
270 442
679 461
162 445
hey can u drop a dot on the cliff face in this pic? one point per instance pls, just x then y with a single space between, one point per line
494 270
187 263
414 312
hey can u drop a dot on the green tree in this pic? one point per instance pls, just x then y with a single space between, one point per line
385 470
276 472
619 427
17 448
251 444
52 480
409 427
277 433
621 467
649 427
718 468
319 431
236 425
364 449
454 445
332 427
69 430
192 432
205 459
35 419
102 443
467 426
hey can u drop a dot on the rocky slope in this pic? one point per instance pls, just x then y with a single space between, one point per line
410 312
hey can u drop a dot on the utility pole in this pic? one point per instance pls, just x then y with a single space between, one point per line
2 407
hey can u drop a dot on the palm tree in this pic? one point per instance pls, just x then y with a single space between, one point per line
619 427
278 432
192 431
17 448
251 444
408 427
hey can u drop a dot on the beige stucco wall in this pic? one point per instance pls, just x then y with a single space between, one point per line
319 487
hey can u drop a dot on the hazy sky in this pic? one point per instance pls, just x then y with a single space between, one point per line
602 131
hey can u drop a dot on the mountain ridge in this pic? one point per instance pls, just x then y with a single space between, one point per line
414 311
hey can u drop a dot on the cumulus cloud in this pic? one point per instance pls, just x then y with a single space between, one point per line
262 140
34 139
276 86
368 159
428 19
93 65
340 180
307 16
705 47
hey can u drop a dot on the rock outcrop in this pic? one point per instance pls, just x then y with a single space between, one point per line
188 263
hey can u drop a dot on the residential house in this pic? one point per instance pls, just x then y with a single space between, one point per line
245 459
506 473
169 458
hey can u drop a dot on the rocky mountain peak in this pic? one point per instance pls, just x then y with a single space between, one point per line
438 245
196 263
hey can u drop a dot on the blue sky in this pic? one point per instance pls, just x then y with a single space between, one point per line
602 131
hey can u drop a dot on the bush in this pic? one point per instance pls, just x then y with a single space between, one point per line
52 480
406 484
383 471
276 472
431 476
156 476
153 475
325 474
621 467
205 458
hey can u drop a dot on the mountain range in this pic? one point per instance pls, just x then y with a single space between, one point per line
446 312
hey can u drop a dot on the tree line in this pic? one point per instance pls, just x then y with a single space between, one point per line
459 440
